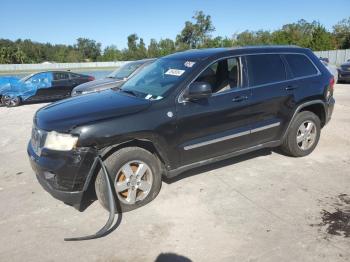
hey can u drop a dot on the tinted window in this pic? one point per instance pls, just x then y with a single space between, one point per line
264 69
300 65
60 76
72 75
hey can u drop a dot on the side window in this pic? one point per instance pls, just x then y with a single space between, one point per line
222 75
60 76
72 75
42 80
264 69
300 65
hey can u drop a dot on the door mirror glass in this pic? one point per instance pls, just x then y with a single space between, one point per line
198 90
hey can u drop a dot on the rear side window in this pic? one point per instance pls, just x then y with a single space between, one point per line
265 69
72 75
60 76
300 65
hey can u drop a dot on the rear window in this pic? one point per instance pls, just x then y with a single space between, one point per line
264 69
300 65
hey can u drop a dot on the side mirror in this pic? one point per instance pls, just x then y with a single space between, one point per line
198 90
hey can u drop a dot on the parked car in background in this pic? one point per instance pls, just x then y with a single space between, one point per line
331 68
42 86
344 72
113 80
182 111
325 59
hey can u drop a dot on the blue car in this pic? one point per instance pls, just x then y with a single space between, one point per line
39 87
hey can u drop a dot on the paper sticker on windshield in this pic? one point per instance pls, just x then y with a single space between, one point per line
189 64
175 72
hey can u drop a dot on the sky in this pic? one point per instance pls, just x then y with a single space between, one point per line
110 22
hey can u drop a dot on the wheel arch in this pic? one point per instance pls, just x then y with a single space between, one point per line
315 106
89 189
137 142
318 109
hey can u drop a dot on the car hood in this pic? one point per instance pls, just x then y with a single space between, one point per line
346 64
67 114
98 84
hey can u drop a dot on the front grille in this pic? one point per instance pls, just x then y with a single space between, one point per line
38 140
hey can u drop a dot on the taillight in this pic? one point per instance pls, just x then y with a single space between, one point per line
91 78
331 84
330 88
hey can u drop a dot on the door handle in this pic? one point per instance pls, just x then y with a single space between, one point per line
239 98
291 87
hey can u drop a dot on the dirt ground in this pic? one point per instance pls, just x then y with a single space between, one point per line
262 206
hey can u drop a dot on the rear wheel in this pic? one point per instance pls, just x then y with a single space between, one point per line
136 177
303 135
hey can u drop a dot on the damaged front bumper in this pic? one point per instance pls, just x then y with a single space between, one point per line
66 175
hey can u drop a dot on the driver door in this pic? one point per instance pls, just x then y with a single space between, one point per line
219 124
42 82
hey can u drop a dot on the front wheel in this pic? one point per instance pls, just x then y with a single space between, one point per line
10 101
136 177
303 135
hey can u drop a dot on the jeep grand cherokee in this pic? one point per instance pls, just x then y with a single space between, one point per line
182 111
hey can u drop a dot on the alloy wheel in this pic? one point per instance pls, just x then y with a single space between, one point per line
306 135
133 182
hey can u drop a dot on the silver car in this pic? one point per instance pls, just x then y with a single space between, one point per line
113 80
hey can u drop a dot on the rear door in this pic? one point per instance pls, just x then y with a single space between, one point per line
221 123
61 86
305 75
272 96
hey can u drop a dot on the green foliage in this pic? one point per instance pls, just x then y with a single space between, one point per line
88 49
195 34
341 32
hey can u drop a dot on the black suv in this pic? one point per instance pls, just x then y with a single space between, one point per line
182 111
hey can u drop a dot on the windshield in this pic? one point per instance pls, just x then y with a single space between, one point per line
26 78
125 71
157 78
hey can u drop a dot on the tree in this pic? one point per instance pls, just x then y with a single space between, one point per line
321 39
88 48
111 53
166 46
152 50
141 49
195 35
341 32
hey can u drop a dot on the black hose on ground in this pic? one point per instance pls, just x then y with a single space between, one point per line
112 207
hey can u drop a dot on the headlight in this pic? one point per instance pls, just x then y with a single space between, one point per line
60 142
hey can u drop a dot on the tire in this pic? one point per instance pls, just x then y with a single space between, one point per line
11 101
132 157
298 143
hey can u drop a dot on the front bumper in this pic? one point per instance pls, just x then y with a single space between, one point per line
65 175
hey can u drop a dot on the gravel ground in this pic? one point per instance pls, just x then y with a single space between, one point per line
262 206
